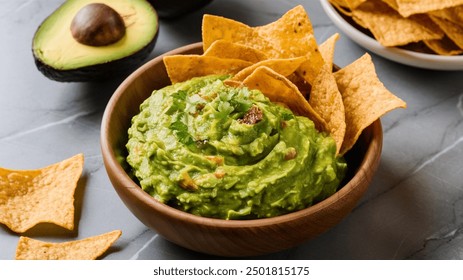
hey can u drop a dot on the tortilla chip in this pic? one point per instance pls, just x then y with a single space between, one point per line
410 7
327 49
86 249
391 29
341 5
453 14
445 46
311 67
30 197
353 4
226 49
365 98
291 35
184 67
452 30
392 4
326 100
219 28
288 37
282 66
359 21
279 89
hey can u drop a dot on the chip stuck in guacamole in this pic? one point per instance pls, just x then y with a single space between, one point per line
218 151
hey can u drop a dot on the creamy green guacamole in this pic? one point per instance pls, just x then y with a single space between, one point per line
218 151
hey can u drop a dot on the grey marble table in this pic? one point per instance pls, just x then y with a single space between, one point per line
412 210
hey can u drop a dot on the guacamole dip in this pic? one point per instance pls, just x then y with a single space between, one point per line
224 152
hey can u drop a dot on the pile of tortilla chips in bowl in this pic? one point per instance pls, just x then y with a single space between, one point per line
282 67
421 33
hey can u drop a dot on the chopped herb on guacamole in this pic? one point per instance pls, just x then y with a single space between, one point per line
224 152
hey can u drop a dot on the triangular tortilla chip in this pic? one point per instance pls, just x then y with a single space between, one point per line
326 100
219 28
365 98
226 49
30 197
291 35
279 89
86 249
181 68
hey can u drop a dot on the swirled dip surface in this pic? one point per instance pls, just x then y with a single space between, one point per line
219 151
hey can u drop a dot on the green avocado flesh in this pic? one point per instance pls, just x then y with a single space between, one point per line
56 50
223 152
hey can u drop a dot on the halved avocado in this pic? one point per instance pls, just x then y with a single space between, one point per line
67 55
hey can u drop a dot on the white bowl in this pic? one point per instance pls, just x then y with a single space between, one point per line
421 60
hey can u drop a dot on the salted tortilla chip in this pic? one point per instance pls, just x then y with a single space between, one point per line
219 28
226 49
391 29
452 30
327 49
30 197
282 66
86 249
326 100
184 67
445 46
279 89
410 7
365 98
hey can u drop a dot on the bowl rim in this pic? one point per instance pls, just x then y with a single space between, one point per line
372 155
403 56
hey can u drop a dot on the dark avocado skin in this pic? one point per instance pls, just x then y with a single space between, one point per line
170 9
98 72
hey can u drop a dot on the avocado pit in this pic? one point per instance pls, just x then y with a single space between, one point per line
97 24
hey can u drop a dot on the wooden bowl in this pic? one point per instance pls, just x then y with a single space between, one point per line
216 236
